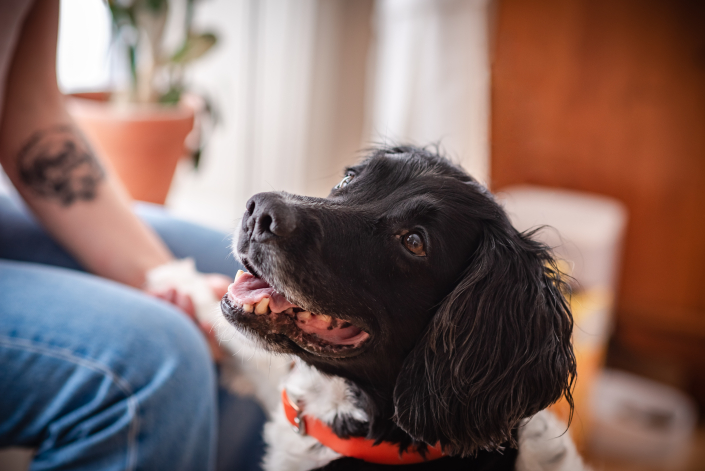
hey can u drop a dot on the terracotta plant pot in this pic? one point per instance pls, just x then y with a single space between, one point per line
143 143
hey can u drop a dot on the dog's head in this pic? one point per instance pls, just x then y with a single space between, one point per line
410 281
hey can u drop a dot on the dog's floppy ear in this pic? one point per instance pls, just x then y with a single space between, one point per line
497 350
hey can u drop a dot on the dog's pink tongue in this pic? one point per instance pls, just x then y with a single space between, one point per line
248 289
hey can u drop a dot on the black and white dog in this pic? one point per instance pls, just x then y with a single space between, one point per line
421 321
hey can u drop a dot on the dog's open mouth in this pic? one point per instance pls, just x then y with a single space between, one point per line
269 313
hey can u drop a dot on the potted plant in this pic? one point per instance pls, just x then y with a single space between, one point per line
142 128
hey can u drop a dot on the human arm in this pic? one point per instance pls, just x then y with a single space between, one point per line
83 207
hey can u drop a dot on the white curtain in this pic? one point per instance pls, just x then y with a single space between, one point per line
307 83
259 78
431 77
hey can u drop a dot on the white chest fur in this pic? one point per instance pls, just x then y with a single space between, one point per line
324 397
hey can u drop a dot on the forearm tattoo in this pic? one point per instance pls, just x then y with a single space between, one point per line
57 163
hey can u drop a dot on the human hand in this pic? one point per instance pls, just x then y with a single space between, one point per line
219 286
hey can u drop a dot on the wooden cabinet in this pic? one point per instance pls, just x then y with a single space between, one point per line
608 96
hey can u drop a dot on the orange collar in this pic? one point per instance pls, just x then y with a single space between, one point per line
353 447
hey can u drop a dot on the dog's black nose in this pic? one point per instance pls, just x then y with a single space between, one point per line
268 215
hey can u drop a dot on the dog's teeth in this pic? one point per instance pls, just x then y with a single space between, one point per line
289 312
303 315
262 307
325 318
239 274
247 307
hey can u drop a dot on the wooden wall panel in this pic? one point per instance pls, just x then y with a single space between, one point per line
608 96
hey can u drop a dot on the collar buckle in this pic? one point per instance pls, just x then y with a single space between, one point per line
298 424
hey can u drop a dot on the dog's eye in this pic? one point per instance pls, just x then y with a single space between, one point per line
414 244
344 182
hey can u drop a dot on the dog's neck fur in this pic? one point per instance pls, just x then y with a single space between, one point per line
325 397
374 397
333 400
543 445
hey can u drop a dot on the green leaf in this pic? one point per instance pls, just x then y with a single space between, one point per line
156 6
194 47
196 157
171 97
121 14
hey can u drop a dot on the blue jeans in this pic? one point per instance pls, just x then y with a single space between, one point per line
97 375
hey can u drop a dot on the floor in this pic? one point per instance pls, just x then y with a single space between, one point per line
695 461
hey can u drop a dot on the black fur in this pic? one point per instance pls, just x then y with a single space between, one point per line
497 350
464 342
484 461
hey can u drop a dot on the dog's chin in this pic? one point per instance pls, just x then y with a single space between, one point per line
255 308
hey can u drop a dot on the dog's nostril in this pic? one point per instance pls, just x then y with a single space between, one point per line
274 221
250 206
265 224
268 215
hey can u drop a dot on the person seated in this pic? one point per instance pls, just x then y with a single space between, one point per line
96 372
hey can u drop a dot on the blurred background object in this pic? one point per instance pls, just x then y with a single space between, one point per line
142 142
156 72
641 420
608 97
580 99
300 87
430 77
140 123
587 231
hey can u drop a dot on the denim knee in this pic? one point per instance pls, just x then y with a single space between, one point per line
175 384
158 388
